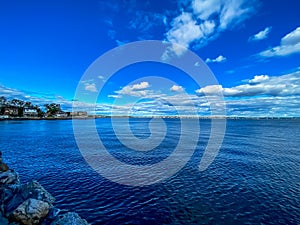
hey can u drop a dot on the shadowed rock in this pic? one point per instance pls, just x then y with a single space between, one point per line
30 212
23 192
30 203
33 189
3 166
9 177
69 218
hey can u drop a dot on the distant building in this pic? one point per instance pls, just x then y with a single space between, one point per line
30 112
61 114
79 114
11 111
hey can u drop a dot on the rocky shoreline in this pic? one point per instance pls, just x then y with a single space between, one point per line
29 203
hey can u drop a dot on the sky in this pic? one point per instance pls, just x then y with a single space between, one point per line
251 46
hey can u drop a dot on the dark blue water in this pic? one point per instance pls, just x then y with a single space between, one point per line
253 180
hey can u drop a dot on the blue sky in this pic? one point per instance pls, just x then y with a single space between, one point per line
252 47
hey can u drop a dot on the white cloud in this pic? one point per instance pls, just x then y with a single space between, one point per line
120 43
177 88
261 35
233 12
290 44
90 87
142 85
204 9
204 20
263 95
184 30
220 58
211 90
259 79
136 90
197 64
102 78
262 85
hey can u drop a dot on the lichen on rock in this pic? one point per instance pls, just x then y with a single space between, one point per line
31 212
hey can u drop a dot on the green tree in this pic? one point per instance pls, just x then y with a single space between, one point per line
52 108
2 100
40 112
28 105
17 103
2 104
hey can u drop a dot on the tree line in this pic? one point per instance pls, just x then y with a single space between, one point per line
51 109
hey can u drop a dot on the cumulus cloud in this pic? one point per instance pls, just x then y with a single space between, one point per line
136 90
263 95
211 90
261 35
289 44
264 106
220 58
90 87
262 85
204 20
177 88
259 79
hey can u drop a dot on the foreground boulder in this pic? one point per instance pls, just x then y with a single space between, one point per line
33 189
9 177
69 218
17 194
30 203
3 166
31 212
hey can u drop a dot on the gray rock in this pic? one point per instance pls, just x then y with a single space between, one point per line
31 212
69 218
34 190
6 194
13 203
29 204
52 215
9 177
23 192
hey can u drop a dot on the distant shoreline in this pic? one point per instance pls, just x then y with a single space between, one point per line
150 117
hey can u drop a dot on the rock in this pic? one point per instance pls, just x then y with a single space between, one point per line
9 177
31 212
69 218
34 190
23 192
30 203
52 215
5 194
13 203
3 166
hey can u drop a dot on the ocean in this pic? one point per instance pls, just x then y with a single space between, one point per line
254 179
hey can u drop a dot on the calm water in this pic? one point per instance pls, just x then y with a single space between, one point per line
253 180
